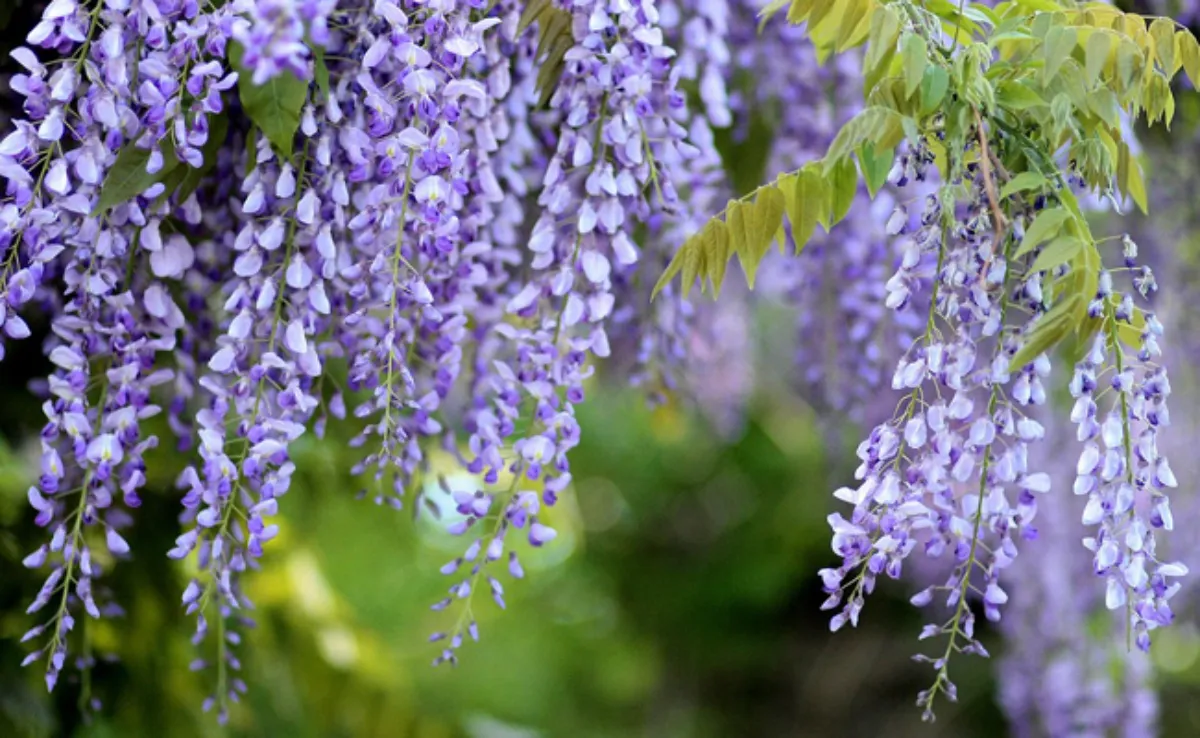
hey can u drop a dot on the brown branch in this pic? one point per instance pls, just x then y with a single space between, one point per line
989 187
999 222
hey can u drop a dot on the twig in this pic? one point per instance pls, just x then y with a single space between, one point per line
989 187
999 222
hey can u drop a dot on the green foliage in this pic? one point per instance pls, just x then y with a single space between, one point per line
320 67
1033 76
274 107
554 40
127 177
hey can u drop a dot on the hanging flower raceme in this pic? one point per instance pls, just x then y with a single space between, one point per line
1056 677
409 319
1126 479
940 474
616 99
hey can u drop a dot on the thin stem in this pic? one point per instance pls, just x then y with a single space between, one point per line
943 678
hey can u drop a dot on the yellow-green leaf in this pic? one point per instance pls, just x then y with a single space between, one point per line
916 57
714 241
1099 44
843 186
1021 183
852 18
1049 330
695 263
673 268
807 198
1162 31
820 9
769 12
1129 63
875 124
1044 227
1059 251
752 227
1189 52
885 30
1129 176
1103 102
1059 43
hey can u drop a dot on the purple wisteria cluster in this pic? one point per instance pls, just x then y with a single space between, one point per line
431 220
949 473
1059 673
261 215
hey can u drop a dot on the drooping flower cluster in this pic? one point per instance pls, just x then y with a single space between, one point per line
1058 676
949 472
617 104
1120 470
233 200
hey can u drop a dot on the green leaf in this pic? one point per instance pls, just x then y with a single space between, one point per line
1049 330
1103 102
934 85
127 177
1162 31
876 124
320 68
843 184
1129 177
1098 46
1129 63
752 227
1059 251
1189 51
714 241
916 57
251 149
1021 183
807 198
1045 226
885 30
875 164
530 13
851 20
1016 96
1059 43
273 106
